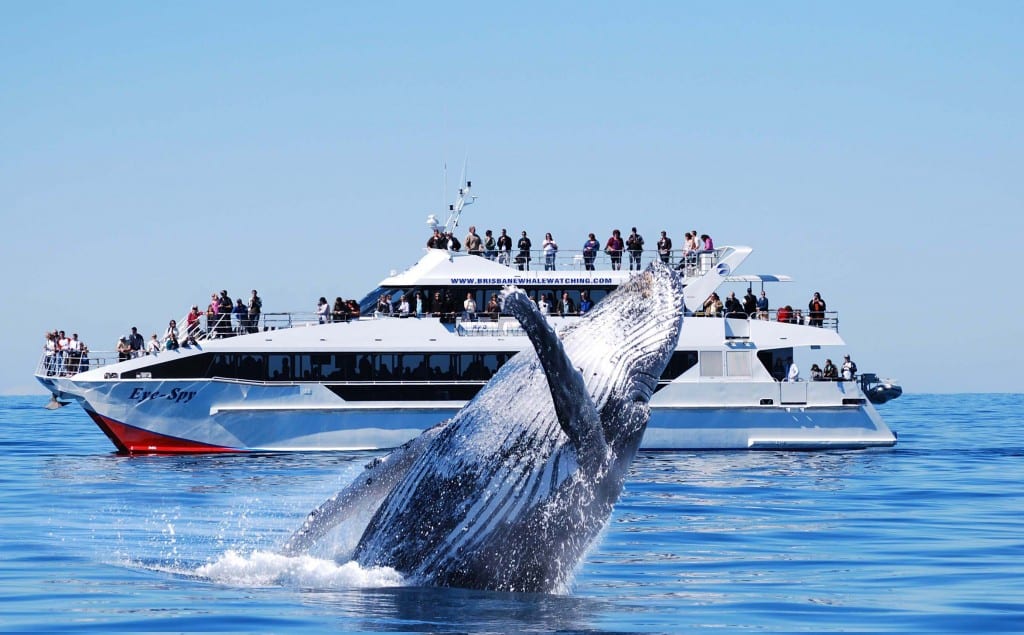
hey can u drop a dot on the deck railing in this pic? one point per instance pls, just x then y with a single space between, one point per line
690 263
480 324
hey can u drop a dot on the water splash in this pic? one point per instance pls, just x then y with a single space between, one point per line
265 568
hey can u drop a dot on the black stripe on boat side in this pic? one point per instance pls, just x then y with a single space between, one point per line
406 392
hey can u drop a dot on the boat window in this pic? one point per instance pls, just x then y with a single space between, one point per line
353 367
441 366
251 366
738 363
680 362
596 295
303 368
711 363
191 367
386 368
280 367
493 361
223 365
365 367
414 367
346 365
472 367
323 365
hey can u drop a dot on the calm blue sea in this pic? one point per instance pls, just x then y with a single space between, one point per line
926 536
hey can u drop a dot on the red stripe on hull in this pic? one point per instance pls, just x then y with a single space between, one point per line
133 440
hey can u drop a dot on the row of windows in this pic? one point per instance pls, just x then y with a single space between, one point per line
450 299
348 367
331 366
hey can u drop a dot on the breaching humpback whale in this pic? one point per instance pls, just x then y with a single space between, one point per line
510 492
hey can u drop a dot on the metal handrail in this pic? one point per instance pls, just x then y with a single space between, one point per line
691 263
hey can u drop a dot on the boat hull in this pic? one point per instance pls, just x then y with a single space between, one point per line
207 416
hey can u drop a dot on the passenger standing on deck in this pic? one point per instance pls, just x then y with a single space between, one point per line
51 354
504 248
62 352
73 355
469 307
550 250
750 303
635 246
436 241
338 312
241 313
543 305
566 306
614 248
816 310
452 241
136 343
494 306
323 310
224 313
585 303
689 250
192 325
474 245
490 247
590 252
762 306
124 349
523 258
665 247
154 346
849 369
733 308
255 308
831 373
793 374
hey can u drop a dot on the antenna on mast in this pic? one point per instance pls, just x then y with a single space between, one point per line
464 198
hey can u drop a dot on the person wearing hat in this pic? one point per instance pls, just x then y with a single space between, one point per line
124 349
849 369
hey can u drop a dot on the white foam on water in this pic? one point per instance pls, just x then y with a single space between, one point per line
266 568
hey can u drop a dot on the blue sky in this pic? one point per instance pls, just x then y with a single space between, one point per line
151 153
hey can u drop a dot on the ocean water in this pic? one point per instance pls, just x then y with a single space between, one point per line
926 536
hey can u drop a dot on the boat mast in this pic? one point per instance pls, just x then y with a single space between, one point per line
454 209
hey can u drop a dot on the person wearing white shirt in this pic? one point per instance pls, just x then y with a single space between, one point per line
794 371
550 249
543 304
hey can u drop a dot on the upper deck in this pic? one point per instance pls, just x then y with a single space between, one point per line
458 274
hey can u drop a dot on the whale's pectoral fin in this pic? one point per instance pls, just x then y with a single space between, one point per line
367 491
573 405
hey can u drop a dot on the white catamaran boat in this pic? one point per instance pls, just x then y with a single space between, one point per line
378 380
